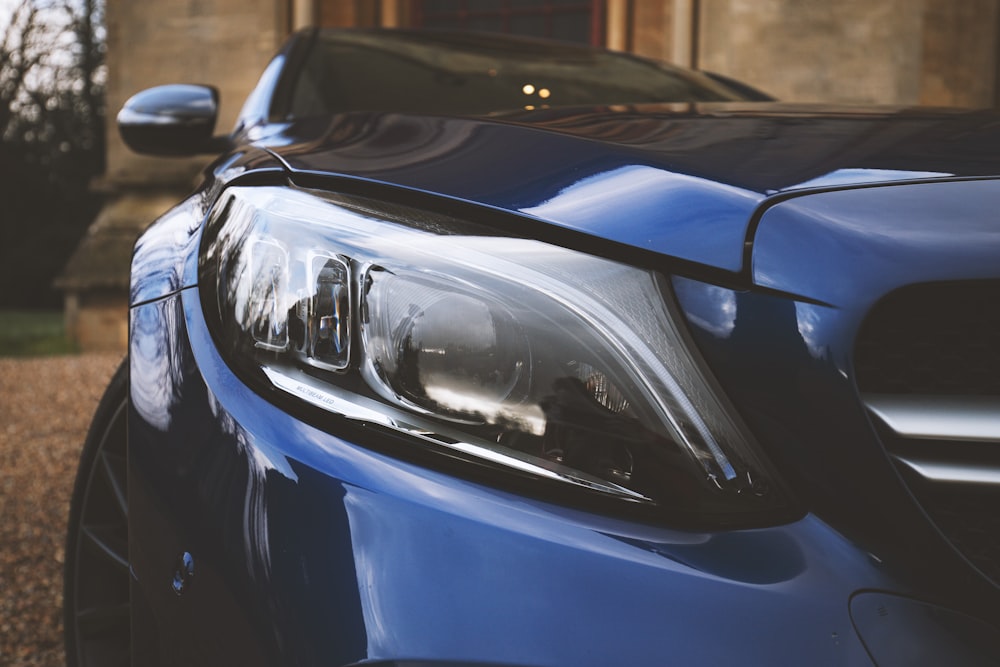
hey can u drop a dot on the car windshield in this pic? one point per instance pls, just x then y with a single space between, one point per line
470 73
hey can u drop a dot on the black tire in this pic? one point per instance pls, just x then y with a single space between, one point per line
96 609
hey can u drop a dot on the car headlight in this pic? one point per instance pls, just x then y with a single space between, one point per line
556 364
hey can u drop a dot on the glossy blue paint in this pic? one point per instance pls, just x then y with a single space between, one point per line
164 257
540 174
313 544
852 247
787 366
653 178
309 542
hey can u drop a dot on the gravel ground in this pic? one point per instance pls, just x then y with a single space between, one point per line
45 408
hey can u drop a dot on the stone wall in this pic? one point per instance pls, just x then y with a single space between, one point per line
960 53
225 43
935 52
97 320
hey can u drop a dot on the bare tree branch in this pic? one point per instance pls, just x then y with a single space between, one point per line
51 78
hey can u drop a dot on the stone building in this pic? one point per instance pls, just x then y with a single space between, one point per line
931 52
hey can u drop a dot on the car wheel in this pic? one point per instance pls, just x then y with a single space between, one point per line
96 578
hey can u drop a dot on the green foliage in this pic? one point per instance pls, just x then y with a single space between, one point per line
33 333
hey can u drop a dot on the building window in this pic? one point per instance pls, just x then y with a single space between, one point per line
567 20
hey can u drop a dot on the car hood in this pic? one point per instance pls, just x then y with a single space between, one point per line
683 180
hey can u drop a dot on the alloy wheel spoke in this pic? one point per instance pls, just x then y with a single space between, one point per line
109 541
113 467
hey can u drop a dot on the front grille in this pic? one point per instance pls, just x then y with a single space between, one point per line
927 362
939 338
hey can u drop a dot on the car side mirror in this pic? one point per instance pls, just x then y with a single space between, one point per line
176 119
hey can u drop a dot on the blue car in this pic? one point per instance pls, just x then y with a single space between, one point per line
472 350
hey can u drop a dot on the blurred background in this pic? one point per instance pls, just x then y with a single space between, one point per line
73 198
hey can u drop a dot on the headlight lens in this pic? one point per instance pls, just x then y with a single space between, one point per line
530 356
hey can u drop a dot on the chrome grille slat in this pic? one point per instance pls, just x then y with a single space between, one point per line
924 417
951 473
927 363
